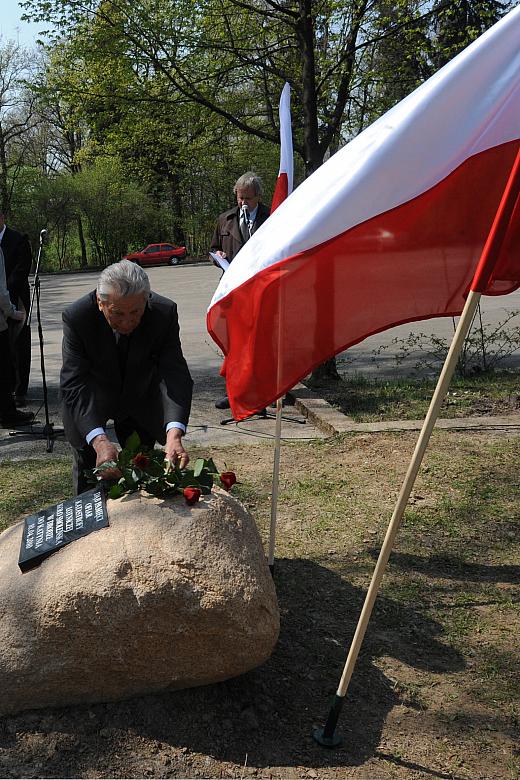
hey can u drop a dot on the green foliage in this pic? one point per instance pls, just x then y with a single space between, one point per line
146 469
459 22
115 208
183 98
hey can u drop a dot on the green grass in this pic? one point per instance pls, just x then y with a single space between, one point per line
26 486
370 400
498 675
451 586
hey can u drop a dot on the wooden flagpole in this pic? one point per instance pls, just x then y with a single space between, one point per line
275 484
286 154
327 736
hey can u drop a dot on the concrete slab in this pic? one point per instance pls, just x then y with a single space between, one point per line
332 421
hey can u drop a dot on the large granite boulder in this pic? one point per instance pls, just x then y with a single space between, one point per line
168 596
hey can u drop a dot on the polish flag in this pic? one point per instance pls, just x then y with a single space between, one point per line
284 182
389 230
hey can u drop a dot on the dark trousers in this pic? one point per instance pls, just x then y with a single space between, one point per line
22 361
7 407
85 458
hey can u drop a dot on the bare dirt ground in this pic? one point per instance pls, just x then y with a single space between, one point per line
436 689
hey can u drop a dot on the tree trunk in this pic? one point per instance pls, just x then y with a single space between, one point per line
313 151
326 371
179 236
306 37
4 193
84 259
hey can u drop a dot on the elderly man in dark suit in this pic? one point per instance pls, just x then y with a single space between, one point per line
236 226
18 260
122 360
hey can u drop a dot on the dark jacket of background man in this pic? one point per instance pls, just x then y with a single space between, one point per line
156 388
227 236
18 261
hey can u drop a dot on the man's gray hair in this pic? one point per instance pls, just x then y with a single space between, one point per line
249 179
123 279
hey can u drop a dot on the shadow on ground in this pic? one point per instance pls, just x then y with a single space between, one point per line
264 717
453 568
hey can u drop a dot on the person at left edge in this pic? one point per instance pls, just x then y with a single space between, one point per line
10 416
18 260
148 390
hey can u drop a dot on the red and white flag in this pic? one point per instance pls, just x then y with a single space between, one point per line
389 230
284 182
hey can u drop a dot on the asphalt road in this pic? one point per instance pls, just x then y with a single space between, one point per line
362 358
192 287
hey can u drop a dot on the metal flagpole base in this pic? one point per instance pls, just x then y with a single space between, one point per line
329 742
327 737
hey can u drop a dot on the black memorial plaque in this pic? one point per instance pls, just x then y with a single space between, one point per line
52 528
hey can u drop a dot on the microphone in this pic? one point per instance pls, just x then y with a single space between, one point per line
245 214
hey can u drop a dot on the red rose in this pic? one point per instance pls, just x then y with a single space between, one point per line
192 495
141 460
228 479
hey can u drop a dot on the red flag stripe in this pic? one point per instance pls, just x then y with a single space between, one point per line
412 262
281 191
499 262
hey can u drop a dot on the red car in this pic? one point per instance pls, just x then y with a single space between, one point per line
158 254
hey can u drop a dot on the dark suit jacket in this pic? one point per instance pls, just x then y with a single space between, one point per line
227 236
18 260
157 385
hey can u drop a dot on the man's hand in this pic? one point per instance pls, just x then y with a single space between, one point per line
174 451
220 253
105 451
18 316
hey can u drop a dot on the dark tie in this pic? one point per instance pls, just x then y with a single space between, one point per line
123 343
244 230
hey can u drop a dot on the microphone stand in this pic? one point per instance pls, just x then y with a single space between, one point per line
263 414
48 430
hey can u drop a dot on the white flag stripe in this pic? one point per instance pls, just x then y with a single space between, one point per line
286 144
470 105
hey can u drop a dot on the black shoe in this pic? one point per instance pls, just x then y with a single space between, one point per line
222 403
12 419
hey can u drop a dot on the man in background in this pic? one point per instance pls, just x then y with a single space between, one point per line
237 225
122 360
18 260
10 416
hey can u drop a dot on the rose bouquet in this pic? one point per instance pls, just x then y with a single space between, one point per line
142 468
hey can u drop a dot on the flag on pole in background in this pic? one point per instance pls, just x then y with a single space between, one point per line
389 230
284 182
